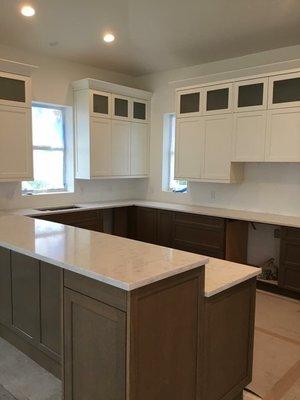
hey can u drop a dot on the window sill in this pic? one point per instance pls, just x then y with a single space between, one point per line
48 193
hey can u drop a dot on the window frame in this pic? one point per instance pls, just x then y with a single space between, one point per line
50 149
171 153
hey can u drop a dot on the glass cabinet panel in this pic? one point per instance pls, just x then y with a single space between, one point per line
217 99
286 90
12 89
139 110
189 103
120 107
100 104
251 95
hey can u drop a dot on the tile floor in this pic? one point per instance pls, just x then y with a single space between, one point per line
276 369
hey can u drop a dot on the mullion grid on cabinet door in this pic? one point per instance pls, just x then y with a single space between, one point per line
251 82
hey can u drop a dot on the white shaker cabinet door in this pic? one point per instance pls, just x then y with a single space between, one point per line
283 135
15 143
218 136
100 147
139 148
189 153
120 148
249 136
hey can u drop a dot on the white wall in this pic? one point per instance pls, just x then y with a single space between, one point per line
52 84
266 187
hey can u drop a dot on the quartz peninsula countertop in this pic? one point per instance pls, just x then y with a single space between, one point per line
120 262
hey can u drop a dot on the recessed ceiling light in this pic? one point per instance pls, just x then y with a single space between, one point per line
108 38
27 11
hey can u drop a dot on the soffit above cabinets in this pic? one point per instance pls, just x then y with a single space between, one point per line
95 84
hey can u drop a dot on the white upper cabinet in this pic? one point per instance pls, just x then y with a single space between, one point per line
283 135
16 143
217 147
120 148
249 136
100 104
189 143
100 147
139 149
284 90
251 95
111 130
218 99
15 90
189 103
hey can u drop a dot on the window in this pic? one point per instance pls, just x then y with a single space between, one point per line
172 185
48 136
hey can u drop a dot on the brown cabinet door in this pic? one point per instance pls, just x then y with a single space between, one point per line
146 225
289 268
25 295
95 347
199 234
120 221
165 228
5 287
50 308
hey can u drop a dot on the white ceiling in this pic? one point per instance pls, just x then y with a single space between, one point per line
152 35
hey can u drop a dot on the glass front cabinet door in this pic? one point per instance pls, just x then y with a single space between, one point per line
100 104
188 103
218 99
284 90
121 107
15 90
250 95
140 110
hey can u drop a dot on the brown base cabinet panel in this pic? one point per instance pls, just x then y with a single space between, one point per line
229 334
5 288
289 268
236 241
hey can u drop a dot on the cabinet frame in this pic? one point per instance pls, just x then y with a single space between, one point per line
179 93
227 110
130 107
238 84
281 77
91 104
27 81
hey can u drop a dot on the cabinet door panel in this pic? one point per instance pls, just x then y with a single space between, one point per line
165 228
5 287
15 90
284 90
16 143
50 307
25 295
251 95
120 148
217 153
100 147
95 346
140 110
283 135
100 104
189 148
189 103
146 225
289 268
218 99
249 136
139 149
122 107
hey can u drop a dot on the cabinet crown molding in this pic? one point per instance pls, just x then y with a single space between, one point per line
95 84
18 68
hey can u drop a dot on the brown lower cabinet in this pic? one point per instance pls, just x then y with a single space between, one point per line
161 341
289 269
30 307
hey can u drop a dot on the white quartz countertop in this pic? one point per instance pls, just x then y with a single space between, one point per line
124 263
267 218
221 275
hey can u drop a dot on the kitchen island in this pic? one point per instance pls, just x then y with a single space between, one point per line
122 319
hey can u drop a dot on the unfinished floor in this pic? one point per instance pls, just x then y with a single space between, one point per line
276 369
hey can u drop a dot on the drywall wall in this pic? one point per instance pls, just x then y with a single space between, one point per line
51 83
268 187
